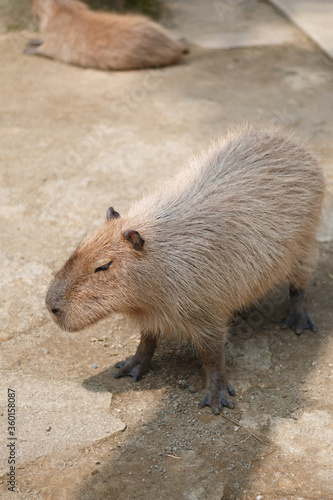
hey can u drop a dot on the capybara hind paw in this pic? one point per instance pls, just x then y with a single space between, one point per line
33 51
219 398
34 42
128 369
299 322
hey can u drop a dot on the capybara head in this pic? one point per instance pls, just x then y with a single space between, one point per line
96 279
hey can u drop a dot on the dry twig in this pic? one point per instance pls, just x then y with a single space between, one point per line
245 428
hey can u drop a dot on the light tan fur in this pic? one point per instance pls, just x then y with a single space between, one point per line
235 223
76 35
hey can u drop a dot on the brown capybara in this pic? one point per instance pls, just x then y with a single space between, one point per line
234 224
74 34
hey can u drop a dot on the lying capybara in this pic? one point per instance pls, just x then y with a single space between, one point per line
235 223
74 34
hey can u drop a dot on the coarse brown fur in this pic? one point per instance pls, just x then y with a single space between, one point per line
76 35
238 221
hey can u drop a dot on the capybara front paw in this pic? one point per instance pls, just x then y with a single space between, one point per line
128 369
298 322
218 398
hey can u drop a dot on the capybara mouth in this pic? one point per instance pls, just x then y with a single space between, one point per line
65 325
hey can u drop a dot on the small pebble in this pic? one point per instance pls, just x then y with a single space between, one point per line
47 351
314 363
94 366
192 389
182 384
48 428
97 462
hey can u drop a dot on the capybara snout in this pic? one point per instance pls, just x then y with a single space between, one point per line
54 302
91 283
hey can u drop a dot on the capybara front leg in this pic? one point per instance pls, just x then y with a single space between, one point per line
139 364
298 317
218 391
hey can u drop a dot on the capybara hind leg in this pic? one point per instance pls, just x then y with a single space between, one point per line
34 43
218 391
298 317
139 364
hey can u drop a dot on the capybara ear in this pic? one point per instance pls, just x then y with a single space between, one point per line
135 239
112 214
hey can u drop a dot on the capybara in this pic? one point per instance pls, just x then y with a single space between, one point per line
74 34
235 223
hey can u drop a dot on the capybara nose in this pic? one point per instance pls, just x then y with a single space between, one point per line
53 306
53 299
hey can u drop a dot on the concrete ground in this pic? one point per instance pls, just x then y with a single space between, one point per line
72 143
313 17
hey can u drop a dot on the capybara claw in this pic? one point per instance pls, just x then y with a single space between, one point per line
33 51
299 322
126 369
218 399
120 364
230 390
205 401
298 318
34 43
